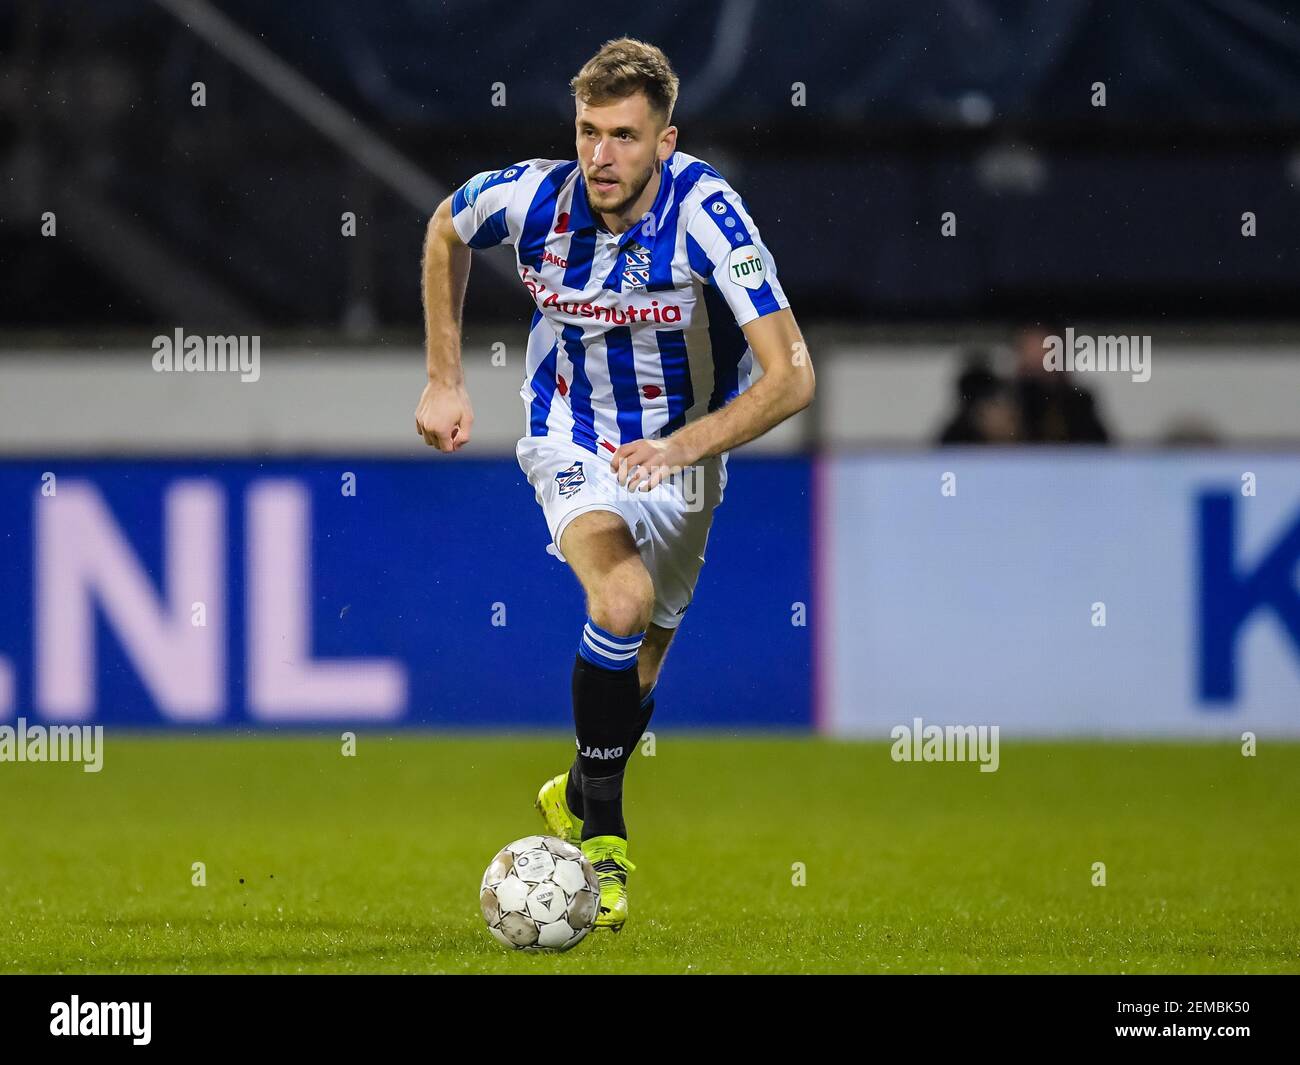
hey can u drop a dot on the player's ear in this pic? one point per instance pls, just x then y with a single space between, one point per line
667 143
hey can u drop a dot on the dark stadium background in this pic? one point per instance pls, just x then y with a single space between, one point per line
984 109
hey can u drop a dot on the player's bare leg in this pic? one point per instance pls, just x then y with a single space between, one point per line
600 550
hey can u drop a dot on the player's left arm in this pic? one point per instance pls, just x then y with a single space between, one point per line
786 387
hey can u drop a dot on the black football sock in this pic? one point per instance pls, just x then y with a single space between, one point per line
573 784
606 707
573 789
647 711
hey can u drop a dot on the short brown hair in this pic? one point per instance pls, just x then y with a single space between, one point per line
624 67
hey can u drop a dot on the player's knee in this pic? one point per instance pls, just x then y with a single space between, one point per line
623 607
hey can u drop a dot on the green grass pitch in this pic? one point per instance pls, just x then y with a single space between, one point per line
317 862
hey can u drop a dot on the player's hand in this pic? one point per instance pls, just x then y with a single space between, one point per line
444 417
643 464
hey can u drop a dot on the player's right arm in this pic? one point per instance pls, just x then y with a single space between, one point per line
444 416
486 211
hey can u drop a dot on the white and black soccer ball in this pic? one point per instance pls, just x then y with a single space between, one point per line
540 893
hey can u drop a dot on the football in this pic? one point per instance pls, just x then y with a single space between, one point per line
539 894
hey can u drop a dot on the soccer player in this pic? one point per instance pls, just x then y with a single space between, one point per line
654 296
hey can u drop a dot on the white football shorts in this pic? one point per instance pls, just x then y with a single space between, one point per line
669 524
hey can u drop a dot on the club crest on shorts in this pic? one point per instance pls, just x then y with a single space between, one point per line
571 480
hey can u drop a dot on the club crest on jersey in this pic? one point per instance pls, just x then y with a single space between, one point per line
571 480
637 267
745 267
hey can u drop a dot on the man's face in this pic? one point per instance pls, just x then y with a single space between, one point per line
619 144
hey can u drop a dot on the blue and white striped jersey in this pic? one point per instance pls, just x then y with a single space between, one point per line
634 334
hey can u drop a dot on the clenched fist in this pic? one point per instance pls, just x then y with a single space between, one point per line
643 464
444 417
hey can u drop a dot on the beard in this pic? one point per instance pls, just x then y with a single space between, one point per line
636 188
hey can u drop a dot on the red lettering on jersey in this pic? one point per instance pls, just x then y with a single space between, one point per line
670 314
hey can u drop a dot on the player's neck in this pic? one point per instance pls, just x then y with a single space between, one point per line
626 219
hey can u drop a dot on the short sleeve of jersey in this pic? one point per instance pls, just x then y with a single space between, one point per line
480 208
724 246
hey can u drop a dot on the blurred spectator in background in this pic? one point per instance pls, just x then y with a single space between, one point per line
986 408
1190 430
1053 407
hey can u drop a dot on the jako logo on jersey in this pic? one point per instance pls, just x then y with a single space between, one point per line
571 480
555 260
603 754
668 314
745 267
